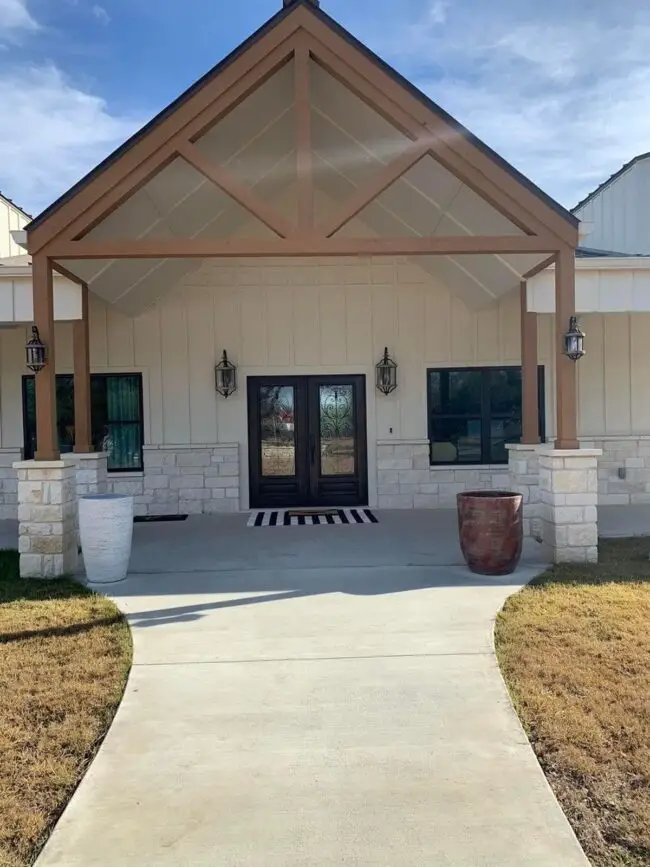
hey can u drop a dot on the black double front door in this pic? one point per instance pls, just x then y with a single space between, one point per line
307 441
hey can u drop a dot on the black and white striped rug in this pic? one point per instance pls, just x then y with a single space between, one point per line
287 518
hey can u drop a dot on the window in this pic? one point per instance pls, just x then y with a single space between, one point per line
116 417
474 412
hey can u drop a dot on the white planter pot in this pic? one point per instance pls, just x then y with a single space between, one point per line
106 532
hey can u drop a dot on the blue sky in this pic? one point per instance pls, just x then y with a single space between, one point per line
560 89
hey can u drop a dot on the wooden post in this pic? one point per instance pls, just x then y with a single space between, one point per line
81 349
304 159
565 369
47 441
529 381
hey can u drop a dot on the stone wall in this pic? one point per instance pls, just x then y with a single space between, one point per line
568 492
186 480
523 473
629 456
9 483
406 480
47 515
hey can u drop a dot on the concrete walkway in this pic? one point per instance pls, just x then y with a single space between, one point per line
313 696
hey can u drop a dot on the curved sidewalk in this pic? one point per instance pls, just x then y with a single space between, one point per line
313 696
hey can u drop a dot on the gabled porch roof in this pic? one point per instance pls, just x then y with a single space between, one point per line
302 142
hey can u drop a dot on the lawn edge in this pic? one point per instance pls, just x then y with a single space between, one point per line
514 710
96 746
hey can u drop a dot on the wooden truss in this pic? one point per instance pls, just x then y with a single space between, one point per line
306 37
303 37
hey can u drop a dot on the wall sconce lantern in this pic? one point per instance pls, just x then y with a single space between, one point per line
574 341
36 352
386 374
225 374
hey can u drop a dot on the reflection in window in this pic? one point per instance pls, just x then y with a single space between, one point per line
278 430
337 430
475 412
116 417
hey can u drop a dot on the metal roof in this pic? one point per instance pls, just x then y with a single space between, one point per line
14 205
352 40
610 180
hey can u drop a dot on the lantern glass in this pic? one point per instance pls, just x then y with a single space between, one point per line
386 374
574 341
35 352
225 376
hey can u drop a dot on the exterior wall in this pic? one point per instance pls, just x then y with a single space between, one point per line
623 469
182 479
332 316
405 480
11 219
619 213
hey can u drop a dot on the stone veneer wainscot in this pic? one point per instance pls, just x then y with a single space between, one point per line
406 480
179 479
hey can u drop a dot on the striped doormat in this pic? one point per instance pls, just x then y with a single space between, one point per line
293 518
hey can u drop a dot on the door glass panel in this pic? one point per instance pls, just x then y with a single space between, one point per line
337 430
277 430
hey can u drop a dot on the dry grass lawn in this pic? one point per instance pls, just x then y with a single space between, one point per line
574 648
65 654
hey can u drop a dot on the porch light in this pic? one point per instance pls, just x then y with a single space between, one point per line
574 341
35 352
386 374
225 376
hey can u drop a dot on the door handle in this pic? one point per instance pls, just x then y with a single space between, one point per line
312 447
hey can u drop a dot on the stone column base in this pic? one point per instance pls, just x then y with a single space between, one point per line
568 485
90 472
47 517
523 468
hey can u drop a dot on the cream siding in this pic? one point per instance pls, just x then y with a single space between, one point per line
11 220
618 213
336 317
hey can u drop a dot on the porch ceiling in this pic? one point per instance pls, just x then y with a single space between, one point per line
255 144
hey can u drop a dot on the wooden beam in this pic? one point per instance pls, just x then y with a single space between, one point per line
243 196
376 186
539 268
60 269
467 161
104 192
47 441
304 158
81 353
529 376
565 369
181 248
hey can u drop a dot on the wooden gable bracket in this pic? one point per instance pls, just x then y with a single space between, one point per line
303 37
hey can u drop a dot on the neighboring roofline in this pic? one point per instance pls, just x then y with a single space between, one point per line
16 207
593 252
605 263
610 180
283 13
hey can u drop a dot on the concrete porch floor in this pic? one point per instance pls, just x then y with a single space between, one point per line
313 696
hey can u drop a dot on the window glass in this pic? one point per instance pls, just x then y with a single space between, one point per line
475 412
116 417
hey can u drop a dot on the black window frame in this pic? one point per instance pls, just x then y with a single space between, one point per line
27 446
486 414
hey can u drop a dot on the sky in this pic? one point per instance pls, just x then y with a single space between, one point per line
560 89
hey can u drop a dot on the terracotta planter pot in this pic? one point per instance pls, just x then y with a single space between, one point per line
491 531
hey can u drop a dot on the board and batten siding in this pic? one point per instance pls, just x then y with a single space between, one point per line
11 219
619 212
330 316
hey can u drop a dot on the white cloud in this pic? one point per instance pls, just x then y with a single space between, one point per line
15 17
57 133
562 96
101 14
